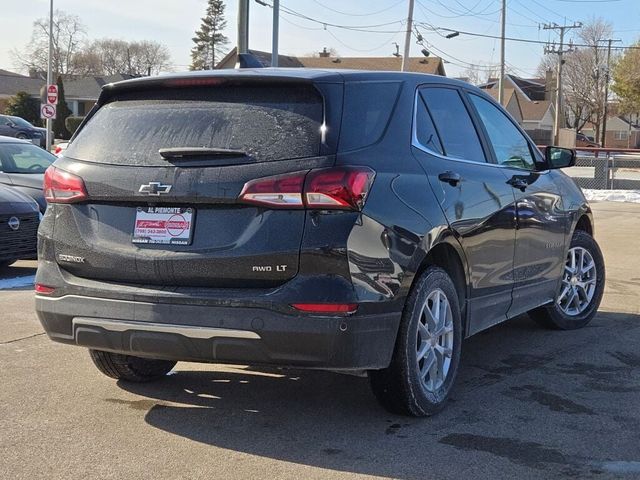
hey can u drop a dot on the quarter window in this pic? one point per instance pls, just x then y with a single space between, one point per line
426 132
509 145
458 135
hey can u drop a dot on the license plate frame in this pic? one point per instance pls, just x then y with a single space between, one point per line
163 226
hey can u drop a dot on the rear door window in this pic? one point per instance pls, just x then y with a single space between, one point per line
458 135
268 123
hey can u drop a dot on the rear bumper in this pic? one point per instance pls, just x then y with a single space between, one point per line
218 334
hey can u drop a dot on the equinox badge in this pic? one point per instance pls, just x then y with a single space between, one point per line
155 188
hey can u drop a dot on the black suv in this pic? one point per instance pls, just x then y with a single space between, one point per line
354 221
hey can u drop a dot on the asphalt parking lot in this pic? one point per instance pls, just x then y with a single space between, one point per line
529 403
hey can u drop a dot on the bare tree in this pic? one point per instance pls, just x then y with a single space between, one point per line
110 56
68 35
584 76
477 74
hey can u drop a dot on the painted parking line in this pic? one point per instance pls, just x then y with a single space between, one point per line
7 283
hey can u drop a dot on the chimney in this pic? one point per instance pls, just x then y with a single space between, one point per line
549 85
324 53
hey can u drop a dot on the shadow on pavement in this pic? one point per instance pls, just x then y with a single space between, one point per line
519 397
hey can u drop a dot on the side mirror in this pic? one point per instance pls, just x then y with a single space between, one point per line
10 124
558 157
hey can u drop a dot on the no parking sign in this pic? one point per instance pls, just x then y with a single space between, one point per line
47 111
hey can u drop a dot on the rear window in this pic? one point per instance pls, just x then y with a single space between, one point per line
268 123
23 158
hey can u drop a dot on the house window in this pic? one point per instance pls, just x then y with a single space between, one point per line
621 135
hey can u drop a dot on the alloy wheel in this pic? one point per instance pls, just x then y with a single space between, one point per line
434 341
578 282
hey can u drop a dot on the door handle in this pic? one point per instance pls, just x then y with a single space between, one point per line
518 183
452 178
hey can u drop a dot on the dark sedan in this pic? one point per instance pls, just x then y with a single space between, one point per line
18 127
22 167
19 220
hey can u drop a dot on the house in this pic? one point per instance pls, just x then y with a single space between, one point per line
534 89
622 132
80 92
432 65
511 103
534 96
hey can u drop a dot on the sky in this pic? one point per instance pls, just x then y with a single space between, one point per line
379 24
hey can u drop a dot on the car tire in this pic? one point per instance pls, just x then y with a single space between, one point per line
130 368
408 386
21 136
579 282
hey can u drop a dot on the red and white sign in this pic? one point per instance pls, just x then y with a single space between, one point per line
52 94
163 225
47 111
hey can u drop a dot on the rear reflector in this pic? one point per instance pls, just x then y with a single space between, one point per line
63 187
326 307
44 290
343 188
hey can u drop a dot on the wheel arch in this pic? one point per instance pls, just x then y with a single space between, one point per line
448 255
584 223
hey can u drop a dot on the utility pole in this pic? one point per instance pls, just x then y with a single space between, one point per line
503 23
243 26
560 51
275 33
605 109
49 73
407 37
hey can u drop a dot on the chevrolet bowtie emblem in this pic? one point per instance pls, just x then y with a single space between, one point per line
155 188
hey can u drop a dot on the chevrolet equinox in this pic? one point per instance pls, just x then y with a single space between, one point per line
341 220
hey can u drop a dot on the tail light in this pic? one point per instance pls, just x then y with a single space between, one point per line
276 191
57 150
344 188
63 187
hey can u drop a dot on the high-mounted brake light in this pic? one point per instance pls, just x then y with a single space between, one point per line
63 187
344 188
326 307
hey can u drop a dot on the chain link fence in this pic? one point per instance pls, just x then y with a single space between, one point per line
606 170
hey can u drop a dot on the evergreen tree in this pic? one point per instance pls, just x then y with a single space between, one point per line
24 106
59 127
209 41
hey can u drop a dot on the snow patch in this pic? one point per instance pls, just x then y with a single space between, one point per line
6 283
632 196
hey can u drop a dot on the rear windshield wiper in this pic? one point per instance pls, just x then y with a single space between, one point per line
182 152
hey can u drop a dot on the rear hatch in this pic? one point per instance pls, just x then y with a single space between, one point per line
163 166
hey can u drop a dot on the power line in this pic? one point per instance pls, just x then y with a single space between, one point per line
523 40
358 14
